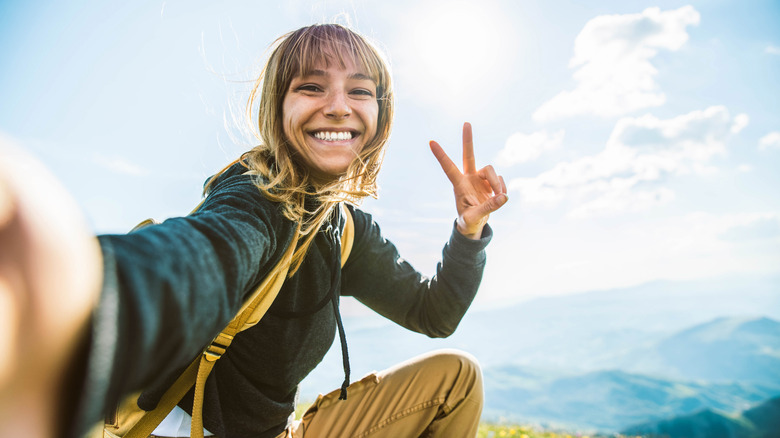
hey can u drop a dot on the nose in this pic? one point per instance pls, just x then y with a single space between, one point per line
337 106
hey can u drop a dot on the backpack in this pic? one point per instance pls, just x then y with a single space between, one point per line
130 421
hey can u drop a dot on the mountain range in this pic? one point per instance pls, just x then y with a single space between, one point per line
726 364
725 349
607 401
602 360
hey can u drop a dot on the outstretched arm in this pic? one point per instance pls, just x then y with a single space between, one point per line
477 192
376 274
50 272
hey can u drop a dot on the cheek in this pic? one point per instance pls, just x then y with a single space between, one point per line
285 119
372 118
291 128
290 123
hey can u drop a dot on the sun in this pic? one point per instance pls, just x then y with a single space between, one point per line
457 50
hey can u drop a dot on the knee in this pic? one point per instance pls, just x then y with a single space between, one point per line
462 366
458 359
464 376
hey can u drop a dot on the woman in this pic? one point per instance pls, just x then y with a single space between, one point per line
324 116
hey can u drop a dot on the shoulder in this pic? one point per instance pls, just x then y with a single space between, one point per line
368 235
237 189
362 220
236 205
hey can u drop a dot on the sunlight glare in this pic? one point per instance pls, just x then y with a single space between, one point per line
459 49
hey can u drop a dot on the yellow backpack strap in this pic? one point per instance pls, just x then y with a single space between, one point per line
197 372
152 221
151 419
255 306
347 235
250 314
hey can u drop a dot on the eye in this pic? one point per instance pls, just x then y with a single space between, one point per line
309 88
362 92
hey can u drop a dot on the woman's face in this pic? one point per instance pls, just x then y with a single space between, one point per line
329 115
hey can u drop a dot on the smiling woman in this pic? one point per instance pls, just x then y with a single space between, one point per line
279 225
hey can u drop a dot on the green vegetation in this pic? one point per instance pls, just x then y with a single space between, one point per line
487 430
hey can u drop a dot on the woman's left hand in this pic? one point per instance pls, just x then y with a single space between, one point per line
477 192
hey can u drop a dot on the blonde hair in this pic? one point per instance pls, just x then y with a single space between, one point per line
282 175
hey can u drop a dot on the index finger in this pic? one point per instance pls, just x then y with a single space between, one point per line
449 168
469 162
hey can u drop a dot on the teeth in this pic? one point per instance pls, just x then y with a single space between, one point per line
333 136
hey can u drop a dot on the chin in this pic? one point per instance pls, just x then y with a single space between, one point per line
327 175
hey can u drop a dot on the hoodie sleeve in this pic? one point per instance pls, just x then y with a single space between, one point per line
170 288
380 278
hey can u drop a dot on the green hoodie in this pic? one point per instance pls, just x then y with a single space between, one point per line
170 288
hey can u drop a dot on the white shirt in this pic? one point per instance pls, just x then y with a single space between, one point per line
177 425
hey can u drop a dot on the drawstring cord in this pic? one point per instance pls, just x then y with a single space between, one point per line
344 350
335 284
333 296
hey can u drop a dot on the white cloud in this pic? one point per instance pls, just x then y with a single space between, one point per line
772 50
521 148
717 243
626 176
771 140
613 54
748 227
744 168
696 136
622 201
740 122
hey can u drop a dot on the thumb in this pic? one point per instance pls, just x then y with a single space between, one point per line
479 213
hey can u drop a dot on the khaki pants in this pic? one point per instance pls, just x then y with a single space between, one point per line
438 394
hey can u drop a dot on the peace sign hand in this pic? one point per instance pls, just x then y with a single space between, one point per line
477 192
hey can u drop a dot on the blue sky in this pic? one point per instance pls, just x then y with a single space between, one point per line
640 140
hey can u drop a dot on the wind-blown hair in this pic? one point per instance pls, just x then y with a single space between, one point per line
282 173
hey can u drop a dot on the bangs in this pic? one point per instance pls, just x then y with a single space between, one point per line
327 45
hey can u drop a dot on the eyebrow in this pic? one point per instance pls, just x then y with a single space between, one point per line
356 76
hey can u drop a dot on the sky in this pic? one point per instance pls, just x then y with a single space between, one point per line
639 140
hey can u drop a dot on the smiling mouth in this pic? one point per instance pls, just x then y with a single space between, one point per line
334 135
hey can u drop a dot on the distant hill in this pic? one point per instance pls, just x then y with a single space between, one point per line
762 421
725 364
765 417
606 401
741 349
724 349
545 359
613 329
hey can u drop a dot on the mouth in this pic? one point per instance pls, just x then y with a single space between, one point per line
333 135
